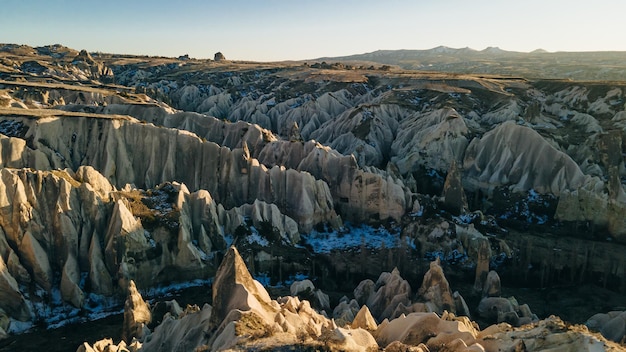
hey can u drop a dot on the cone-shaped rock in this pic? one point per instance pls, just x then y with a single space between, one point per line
136 315
436 289
364 320
454 199
234 288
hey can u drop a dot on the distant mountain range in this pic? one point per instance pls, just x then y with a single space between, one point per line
538 64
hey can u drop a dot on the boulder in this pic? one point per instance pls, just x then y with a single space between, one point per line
612 325
345 312
306 290
548 334
303 286
492 309
70 280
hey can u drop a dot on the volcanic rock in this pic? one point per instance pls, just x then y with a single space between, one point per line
612 325
426 328
137 315
346 312
390 291
364 320
492 285
234 288
514 155
11 299
454 199
435 290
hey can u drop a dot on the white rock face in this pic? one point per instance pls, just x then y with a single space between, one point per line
432 140
513 155
163 155
340 172
364 320
111 237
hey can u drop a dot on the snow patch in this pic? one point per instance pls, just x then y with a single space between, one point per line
354 237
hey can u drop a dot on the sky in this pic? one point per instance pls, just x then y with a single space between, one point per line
274 30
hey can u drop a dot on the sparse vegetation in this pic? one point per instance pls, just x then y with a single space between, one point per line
154 207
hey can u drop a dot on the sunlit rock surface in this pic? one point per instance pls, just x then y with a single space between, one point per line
119 168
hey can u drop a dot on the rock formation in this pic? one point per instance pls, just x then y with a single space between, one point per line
454 198
436 290
467 168
306 290
247 318
514 155
106 234
136 316
611 325
219 57
364 320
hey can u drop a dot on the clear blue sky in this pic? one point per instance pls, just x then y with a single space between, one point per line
301 29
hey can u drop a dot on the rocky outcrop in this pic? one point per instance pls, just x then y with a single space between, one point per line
306 290
346 311
432 140
159 157
97 70
245 316
516 156
234 288
492 287
360 195
499 309
219 57
391 290
14 153
454 198
136 316
435 290
611 325
77 231
550 333
364 320
351 186
13 302
249 319
428 329
364 131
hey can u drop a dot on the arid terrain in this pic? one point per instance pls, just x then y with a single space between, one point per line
538 64
356 203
